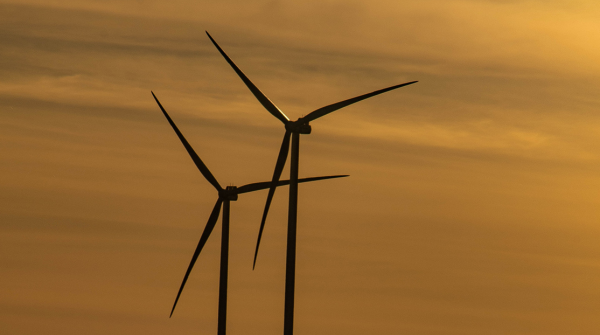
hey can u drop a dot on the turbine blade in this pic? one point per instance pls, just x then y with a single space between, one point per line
333 107
212 221
268 104
283 153
267 184
199 163
306 180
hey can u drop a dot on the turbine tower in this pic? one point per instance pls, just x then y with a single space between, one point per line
293 129
230 193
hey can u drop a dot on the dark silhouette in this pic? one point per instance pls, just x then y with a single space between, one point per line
230 193
292 129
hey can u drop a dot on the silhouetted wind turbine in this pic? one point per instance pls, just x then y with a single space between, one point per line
293 129
230 193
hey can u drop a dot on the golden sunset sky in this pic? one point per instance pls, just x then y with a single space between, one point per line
473 205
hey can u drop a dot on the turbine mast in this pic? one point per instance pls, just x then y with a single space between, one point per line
222 318
290 264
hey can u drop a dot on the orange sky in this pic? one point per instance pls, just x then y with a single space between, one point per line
473 205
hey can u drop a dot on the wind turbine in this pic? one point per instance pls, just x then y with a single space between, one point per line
293 129
230 193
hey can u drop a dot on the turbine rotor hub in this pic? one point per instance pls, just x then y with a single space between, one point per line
298 126
229 193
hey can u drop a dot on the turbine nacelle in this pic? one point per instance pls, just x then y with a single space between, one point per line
229 193
299 126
